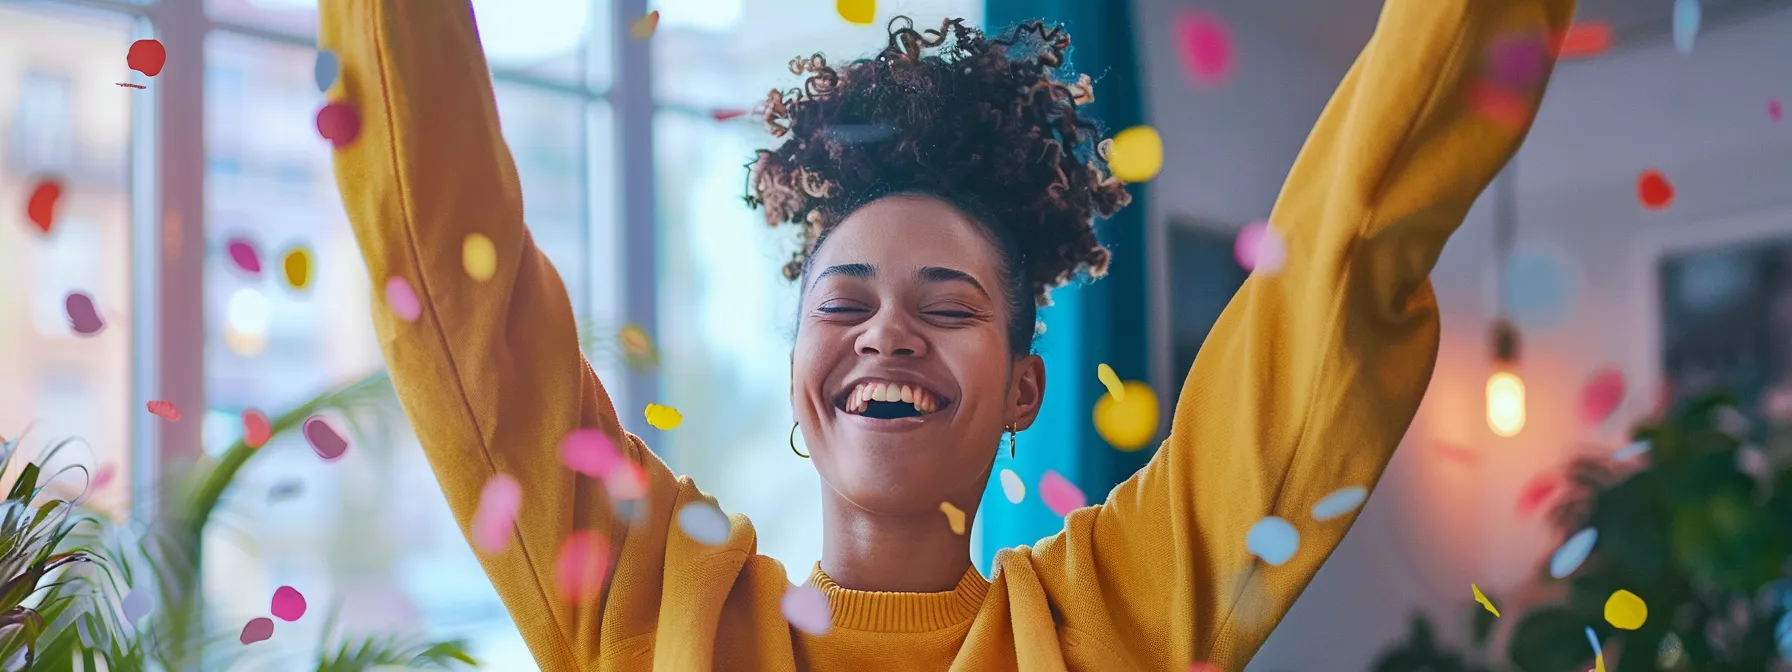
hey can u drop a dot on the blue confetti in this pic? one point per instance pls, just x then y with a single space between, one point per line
1598 652
1631 451
1340 502
1686 24
1273 539
1540 291
1572 553
327 68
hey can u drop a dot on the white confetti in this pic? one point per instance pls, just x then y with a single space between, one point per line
704 523
1012 487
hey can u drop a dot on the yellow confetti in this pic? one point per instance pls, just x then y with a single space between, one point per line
645 26
1625 611
479 257
1128 423
637 347
1136 154
1484 601
859 12
663 417
954 517
1106 375
297 265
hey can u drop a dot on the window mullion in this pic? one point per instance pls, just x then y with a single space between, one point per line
631 98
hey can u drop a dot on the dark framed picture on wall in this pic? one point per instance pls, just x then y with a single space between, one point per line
1725 316
1203 275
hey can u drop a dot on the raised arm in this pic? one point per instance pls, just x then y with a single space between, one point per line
1311 376
490 372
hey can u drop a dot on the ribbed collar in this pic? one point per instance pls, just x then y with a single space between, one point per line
874 611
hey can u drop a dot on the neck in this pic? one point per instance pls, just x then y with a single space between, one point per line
917 553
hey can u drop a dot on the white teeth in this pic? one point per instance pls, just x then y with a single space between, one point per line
859 399
908 394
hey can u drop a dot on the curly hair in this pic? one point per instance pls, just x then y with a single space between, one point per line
983 123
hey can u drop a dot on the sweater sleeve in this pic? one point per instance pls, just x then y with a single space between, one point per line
1312 374
490 372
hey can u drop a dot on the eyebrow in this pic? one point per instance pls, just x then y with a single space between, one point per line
930 274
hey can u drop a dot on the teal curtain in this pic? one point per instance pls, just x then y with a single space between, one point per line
1104 321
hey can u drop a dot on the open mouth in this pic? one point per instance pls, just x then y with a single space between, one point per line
891 401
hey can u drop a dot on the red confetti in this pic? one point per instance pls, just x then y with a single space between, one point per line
1601 396
582 566
1499 105
164 410
243 254
256 430
147 57
324 439
1537 492
132 86
41 207
83 317
1206 47
339 123
724 115
1583 40
1654 190
257 630
288 604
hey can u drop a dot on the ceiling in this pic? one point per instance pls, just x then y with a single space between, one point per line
1339 28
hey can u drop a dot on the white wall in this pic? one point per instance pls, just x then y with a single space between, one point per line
1444 514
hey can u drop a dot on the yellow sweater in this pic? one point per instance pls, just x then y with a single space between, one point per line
1305 386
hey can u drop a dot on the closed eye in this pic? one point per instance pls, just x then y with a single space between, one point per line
954 314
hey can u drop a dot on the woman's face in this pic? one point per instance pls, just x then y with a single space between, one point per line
902 379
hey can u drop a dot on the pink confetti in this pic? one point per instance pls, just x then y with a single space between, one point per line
589 452
83 317
104 476
257 630
806 609
288 604
1519 62
582 566
1205 44
1259 248
1537 492
324 439
1773 110
339 123
626 482
164 410
1060 495
1601 395
256 430
402 300
493 521
243 254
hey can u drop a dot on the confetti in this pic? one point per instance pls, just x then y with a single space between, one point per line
1667 657
297 265
1128 424
1205 44
954 517
1654 190
131 86
256 430
1536 492
1625 611
288 604
104 476
479 256
1340 502
1106 375
402 299
858 12
1584 40
1059 494
1519 62
1572 552
1601 396
726 114
637 347
1497 104
1012 487
147 57
582 566
40 208
324 439
1754 462
589 452
499 502
137 604
1273 539
1774 111
1634 449
242 253
164 410
1136 154
1484 601
806 609
703 523
83 317
645 26
1687 14
325 69
257 630
1541 289
663 417
1598 652
626 482
339 123
1259 248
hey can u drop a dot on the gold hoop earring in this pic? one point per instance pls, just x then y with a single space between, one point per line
793 442
1010 429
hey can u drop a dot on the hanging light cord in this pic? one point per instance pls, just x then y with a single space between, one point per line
1505 215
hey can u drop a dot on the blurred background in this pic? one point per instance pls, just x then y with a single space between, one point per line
632 154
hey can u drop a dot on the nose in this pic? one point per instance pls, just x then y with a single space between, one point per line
893 334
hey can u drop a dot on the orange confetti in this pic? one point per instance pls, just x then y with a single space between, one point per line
1583 40
1495 103
1654 190
645 26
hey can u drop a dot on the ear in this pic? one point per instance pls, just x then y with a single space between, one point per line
1026 391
